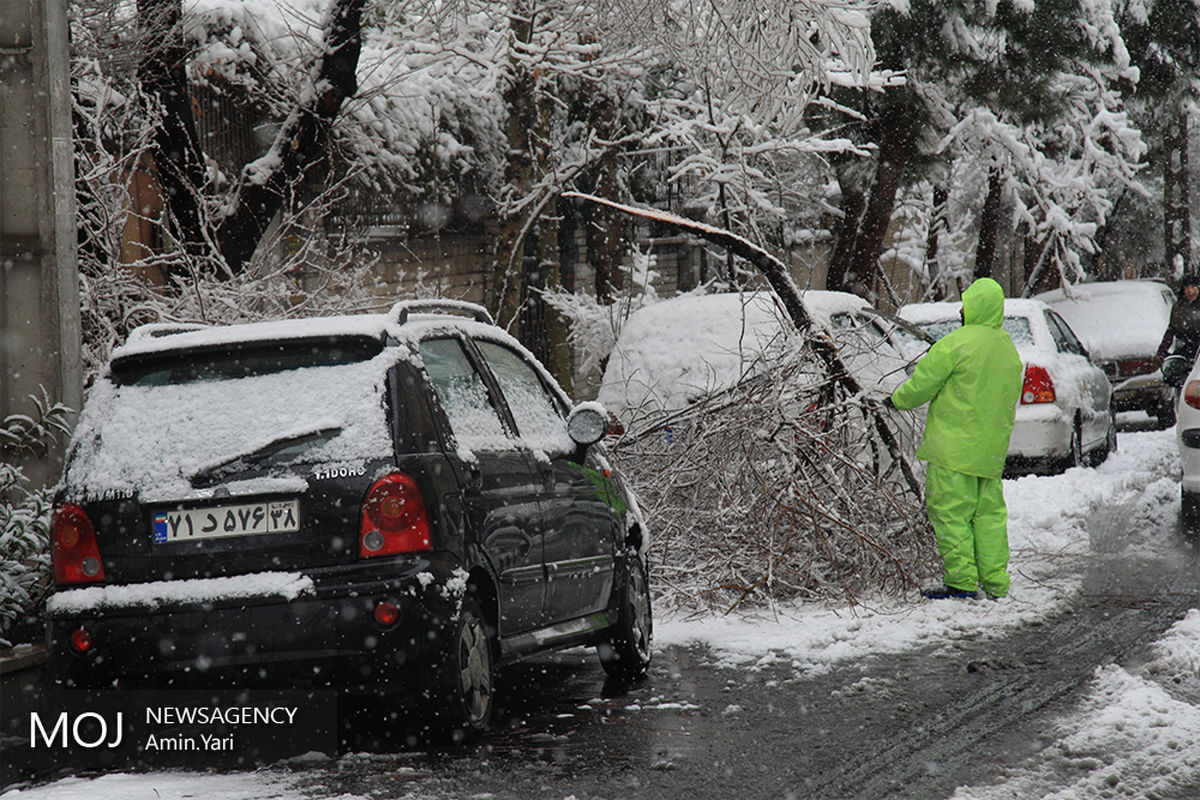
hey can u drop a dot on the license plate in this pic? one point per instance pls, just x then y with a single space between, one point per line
245 519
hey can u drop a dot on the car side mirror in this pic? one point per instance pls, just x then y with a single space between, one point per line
587 424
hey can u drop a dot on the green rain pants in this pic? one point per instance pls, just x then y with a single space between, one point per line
970 522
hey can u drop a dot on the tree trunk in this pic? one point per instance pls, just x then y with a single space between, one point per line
300 146
989 224
937 224
556 353
605 225
895 148
176 150
507 291
845 233
1176 196
605 238
1039 276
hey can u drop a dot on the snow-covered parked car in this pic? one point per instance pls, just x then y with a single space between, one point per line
391 503
1121 323
1065 416
674 352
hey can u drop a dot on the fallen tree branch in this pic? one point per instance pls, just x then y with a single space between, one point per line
780 280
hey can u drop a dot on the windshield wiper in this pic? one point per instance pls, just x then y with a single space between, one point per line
207 476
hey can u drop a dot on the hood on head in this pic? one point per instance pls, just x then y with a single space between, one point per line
983 303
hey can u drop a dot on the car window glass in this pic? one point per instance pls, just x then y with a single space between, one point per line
232 362
858 323
473 419
1017 329
538 415
1063 337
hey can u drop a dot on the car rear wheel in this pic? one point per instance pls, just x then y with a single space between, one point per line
1110 442
1075 451
463 706
625 654
1166 415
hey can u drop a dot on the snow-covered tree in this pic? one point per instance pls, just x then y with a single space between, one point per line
1014 101
1164 43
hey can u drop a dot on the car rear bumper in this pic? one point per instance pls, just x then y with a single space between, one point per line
1040 432
1189 456
1143 393
327 637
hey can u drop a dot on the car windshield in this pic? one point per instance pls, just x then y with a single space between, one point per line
159 424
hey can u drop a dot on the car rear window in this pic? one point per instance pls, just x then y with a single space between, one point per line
241 361
1016 327
168 424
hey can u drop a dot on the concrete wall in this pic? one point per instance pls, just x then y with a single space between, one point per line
39 284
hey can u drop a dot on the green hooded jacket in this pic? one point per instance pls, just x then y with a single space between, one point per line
971 378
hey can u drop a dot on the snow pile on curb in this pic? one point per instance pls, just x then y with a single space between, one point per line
1124 735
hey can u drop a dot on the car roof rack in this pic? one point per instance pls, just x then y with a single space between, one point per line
157 330
401 311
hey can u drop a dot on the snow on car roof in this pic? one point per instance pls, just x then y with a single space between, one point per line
152 341
1115 319
675 350
920 313
1096 288
160 338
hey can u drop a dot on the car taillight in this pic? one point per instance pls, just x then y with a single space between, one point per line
81 640
74 548
1038 387
1128 367
1191 394
386 613
393 518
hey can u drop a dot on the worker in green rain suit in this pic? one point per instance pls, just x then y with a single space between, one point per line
971 378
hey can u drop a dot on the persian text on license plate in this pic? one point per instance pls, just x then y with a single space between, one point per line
273 516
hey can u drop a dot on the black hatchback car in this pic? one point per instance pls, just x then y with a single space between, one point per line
395 503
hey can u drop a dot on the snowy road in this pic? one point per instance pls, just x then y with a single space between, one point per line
1084 684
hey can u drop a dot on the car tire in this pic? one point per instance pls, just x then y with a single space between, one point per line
625 653
1189 512
1110 443
1166 415
1075 457
465 674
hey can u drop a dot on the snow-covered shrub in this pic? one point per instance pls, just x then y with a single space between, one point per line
778 488
25 514
595 326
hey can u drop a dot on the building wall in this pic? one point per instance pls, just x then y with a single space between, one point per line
39 284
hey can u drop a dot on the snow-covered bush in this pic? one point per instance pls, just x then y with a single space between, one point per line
25 514
776 489
595 326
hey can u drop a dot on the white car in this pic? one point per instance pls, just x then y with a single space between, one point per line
1065 416
1121 324
676 351
1187 432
